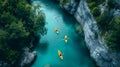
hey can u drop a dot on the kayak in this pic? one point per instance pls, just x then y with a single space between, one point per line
60 54
66 38
66 41
56 31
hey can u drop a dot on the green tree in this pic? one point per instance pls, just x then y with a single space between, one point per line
96 11
107 23
64 2
19 25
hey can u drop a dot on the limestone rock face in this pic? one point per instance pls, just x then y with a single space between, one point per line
98 49
28 58
26 61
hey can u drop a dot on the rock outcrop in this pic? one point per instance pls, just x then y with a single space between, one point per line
71 6
98 49
28 58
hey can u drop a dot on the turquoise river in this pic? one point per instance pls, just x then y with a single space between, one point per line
75 53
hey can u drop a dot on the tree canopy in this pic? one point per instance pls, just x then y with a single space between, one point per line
18 26
108 24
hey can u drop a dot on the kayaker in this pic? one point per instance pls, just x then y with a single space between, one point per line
56 31
60 54
66 38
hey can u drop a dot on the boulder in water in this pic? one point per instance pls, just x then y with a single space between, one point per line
28 58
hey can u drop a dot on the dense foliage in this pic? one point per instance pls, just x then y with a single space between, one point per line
95 11
108 24
113 4
93 4
64 2
77 0
19 25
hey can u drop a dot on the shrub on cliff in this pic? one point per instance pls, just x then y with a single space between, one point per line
111 3
96 1
64 2
96 11
92 5
103 21
107 23
112 39
110 29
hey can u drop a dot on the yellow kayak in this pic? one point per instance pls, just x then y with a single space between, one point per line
56 31
66 38
60 54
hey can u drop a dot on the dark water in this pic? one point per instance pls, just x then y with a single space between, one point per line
74 52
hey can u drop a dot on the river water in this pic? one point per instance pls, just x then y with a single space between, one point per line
75 53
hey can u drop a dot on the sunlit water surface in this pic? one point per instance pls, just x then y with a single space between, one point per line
74 52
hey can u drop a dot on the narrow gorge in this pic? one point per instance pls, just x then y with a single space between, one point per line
59 33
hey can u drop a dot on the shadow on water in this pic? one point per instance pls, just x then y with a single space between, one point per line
65 17
42 47
83 48
79 41
50 2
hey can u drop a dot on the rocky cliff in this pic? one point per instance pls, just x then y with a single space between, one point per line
98 49
28 58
